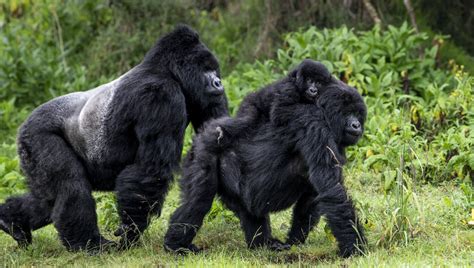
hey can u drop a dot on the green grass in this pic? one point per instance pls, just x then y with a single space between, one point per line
438 236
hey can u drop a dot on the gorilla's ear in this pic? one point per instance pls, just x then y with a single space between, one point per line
293 74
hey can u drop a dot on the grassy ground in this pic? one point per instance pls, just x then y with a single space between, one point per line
438 236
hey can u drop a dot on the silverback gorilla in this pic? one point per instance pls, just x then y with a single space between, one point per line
286 146
124 136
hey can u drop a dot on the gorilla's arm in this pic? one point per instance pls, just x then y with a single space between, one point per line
287 108
325 174
253 111
198 116
142 186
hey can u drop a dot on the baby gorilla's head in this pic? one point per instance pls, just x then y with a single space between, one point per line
311 78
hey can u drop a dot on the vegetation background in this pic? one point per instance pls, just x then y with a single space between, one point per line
411 175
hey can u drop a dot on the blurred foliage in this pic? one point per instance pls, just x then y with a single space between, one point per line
49 48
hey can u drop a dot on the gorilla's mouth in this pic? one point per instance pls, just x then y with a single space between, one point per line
351 137
355 134
214 91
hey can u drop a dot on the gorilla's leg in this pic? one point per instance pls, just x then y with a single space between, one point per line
139 196
305 217
75 218
258 232
56 175
23 214
199 187
141 187
341 217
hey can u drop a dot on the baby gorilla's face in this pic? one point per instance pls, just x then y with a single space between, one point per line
312 78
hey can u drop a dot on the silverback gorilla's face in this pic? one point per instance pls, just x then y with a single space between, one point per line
194 67
206 72
214 84
345 111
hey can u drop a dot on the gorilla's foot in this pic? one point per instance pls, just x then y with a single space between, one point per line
182 250
129 236
271 243
13 226
93 246
100 246
277 245
357 248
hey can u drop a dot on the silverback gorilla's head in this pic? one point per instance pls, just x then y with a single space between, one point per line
195 69
191 63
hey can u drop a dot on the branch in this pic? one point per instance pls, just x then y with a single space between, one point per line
271 18
372 12
411 13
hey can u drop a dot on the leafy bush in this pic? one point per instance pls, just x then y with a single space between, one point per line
39 51
11 181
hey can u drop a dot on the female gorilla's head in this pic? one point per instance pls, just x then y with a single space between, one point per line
345 111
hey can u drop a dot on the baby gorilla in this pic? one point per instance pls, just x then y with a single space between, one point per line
285 148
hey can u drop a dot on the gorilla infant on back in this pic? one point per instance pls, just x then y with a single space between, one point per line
124 136
286 146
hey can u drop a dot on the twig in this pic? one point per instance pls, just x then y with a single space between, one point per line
334 156
60 37
270 18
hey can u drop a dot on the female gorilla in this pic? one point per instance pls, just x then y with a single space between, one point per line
124 136
290 152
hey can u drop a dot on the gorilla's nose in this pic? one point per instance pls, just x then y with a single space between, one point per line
217 84
355 125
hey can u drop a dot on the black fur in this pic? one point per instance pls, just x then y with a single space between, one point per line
284 148
125 136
